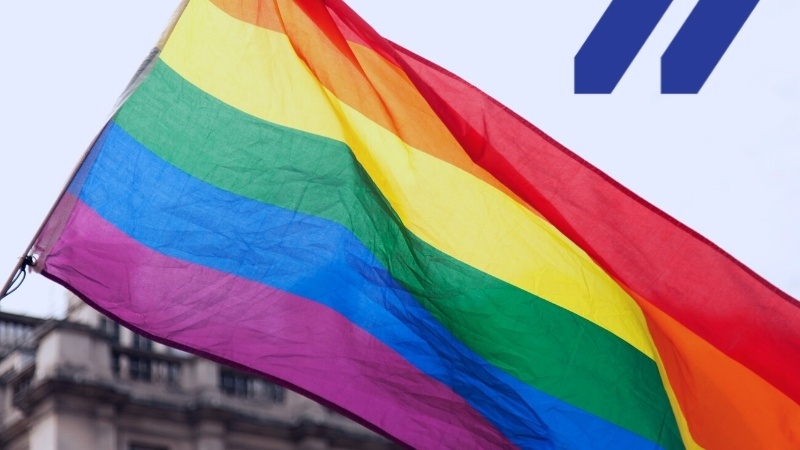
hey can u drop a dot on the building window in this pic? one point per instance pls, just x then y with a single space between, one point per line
140 368
115 364
22 387
110 329
275 393
142 343
173 373
237 384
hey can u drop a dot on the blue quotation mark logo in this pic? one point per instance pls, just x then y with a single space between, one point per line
685 65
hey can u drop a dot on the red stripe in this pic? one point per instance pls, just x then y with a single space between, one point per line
300 343
671 266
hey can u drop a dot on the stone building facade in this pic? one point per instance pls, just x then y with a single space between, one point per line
86 383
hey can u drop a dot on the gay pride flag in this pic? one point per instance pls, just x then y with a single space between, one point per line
285 191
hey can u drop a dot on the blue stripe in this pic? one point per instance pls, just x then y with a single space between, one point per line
701 42
173 213
614 43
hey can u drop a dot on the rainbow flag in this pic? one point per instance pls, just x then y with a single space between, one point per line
286 191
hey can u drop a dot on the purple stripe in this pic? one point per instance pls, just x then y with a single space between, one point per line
287 337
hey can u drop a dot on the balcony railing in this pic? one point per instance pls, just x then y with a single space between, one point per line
145 366
241 385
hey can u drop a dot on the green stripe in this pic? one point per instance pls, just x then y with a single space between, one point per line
538 342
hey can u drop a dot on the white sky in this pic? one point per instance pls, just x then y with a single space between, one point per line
726 161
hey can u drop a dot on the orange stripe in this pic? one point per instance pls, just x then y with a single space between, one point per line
725 404
361 78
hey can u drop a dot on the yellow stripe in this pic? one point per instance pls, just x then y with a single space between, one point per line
680 417
256 71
